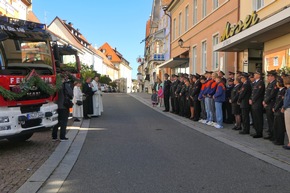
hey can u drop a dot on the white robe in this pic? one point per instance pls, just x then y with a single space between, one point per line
97 99
78 95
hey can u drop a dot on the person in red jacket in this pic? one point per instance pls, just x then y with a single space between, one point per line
219 97
201 99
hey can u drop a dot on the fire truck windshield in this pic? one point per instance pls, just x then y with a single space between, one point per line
23 56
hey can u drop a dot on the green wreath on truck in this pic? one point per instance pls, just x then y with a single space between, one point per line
31 80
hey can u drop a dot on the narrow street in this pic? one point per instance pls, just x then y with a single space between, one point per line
134 149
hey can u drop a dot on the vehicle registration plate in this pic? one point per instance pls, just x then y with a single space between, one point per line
34 115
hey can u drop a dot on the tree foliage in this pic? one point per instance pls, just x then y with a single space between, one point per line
105 79
87 71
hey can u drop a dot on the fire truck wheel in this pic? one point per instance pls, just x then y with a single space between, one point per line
20 138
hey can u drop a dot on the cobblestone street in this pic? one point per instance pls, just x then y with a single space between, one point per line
20 160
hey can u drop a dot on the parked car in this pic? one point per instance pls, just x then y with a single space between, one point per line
103 88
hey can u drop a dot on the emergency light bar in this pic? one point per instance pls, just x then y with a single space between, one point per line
26 25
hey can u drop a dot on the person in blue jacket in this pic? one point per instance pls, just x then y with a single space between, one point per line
286 109
219 97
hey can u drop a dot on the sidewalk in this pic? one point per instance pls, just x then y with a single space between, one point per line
260 148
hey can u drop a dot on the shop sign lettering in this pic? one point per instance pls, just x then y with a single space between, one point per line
233 29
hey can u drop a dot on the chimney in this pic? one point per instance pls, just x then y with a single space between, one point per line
64 21
70 24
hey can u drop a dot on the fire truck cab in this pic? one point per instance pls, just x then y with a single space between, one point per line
67 59
25 107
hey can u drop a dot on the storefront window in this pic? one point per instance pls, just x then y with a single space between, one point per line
277 60
181 69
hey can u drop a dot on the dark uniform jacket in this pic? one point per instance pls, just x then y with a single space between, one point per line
270 94
166 87
279 100
257 96
184 91
229 91
173 88
245 94
235 93
195 90
179 88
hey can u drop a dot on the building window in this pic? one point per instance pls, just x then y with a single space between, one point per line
194 60
174 29
109 57
215 4
179 24
276 61
215 60
204 6
186 19
194 11
203 57
258 4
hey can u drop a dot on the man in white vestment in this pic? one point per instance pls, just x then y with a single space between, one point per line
97 97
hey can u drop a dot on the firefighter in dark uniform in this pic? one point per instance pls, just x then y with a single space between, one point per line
184 96
166 91
243 101
252 82
256 101
194 95
180 98
173 88
228 116
279 119
177 93
269 101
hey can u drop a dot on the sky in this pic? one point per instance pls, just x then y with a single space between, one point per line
120 23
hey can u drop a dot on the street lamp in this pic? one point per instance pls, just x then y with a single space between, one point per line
180 43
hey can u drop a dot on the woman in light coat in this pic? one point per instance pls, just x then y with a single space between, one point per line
78 96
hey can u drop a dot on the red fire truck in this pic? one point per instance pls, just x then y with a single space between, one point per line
28 80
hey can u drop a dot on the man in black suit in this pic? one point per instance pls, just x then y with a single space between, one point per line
194 94
166 91
256 101
88 102
173 87
269 101
243 101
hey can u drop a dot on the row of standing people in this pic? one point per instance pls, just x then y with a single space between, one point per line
86 102
213 100
91 96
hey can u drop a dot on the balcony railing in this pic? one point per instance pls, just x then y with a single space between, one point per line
158 57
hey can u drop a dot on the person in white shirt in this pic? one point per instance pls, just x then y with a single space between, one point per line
97 98
77 101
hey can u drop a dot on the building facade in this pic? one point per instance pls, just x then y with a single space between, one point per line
157 44
90 56
124 76
262 41
196 27
21 9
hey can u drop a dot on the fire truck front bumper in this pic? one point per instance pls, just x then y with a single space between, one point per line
13 122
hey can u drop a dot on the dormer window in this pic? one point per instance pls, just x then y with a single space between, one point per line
109 57
82 42
104 50
72 31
